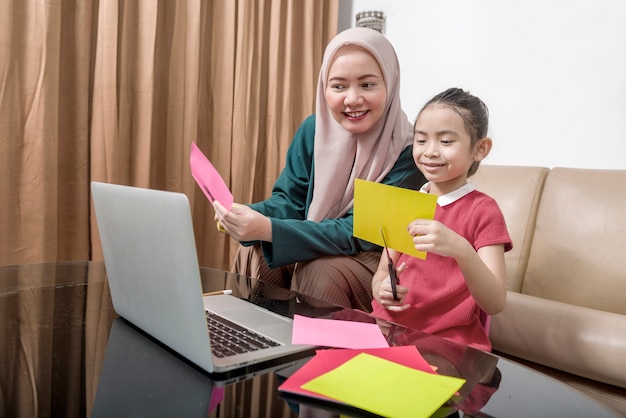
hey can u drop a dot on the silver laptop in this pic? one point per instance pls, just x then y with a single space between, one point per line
152 267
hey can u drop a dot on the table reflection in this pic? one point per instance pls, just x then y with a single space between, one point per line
65 352
478 368
50 360
141 378
55 324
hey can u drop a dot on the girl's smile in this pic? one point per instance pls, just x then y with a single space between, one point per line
442 148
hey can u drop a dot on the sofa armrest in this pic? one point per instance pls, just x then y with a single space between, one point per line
583 341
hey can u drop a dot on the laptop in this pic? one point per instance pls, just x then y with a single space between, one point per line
152 267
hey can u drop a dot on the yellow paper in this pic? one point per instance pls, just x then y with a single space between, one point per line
386 388
391 208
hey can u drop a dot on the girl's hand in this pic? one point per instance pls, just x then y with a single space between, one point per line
243 223
385 294
435 237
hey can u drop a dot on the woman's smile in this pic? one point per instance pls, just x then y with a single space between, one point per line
356 116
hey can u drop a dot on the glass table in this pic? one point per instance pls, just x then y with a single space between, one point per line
64 352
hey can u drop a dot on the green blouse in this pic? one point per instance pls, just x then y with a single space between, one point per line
296 239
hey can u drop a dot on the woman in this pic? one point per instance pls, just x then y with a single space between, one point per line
301 237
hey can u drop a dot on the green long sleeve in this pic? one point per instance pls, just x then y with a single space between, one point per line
296 239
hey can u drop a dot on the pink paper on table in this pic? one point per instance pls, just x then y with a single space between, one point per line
207 177
336 333
327 360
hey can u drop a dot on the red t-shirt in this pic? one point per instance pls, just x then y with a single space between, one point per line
441 303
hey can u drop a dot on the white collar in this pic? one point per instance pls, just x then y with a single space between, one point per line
453 196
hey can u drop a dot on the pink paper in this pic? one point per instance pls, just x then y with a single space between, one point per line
327 360
217 396
208 178
336 333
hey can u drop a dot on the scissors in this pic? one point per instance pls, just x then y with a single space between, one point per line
393 274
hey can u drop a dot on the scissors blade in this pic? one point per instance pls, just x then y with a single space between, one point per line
384 241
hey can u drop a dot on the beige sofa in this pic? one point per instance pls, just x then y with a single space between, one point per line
566 306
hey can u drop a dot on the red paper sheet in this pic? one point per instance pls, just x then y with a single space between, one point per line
327 360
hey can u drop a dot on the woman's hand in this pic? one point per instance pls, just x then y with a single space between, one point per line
243 223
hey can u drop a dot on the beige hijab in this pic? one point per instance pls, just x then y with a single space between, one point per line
339 156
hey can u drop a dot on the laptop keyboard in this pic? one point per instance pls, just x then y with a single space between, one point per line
228 338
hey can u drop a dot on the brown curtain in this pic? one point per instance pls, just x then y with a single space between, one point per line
116 91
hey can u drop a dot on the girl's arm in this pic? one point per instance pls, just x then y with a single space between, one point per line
485 274
484 270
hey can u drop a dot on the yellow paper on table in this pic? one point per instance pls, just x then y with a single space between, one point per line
386 388
391 208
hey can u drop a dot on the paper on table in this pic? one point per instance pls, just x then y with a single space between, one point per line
336 333
208 178
391 208
327 360
386 388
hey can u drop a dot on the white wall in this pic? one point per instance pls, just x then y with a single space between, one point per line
552 72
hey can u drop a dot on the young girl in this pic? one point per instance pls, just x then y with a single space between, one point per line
463 276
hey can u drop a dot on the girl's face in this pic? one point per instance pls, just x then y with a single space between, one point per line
355 90
442 148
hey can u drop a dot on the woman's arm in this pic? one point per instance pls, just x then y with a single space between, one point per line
291 191
279 223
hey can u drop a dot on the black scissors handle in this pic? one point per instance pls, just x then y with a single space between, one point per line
393 274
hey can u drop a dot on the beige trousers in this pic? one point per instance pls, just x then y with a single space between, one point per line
345 281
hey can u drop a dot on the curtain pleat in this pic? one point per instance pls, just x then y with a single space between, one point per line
44 96
116 91
257 84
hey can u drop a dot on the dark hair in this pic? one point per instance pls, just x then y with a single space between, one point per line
472 110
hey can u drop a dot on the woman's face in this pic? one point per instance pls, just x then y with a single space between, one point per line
355 90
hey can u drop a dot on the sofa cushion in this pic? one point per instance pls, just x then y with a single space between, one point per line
578 249
517 190
583 341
